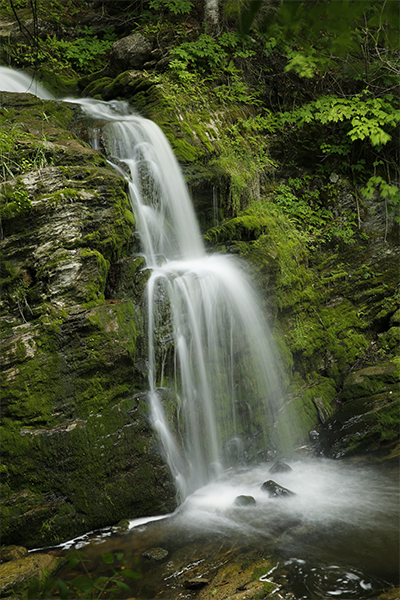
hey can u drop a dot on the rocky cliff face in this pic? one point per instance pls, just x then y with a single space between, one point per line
77 449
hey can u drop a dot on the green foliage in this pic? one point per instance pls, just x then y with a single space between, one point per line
85 53
213 56
366 118
13 141
390 193
204 54
353 136
360 38
177 7
308 209
89 585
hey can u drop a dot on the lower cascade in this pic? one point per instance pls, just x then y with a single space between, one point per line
204 321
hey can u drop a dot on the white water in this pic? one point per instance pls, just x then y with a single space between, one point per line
337 536
226 384
224 362
15 81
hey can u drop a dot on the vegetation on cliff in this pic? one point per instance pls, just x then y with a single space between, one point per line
289 145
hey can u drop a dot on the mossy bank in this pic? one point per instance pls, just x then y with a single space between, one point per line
77 449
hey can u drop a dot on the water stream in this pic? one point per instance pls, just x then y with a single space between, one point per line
225 364
338 535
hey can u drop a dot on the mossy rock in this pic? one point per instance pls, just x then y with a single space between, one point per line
372 380
103 468
370 418
77 449
18 576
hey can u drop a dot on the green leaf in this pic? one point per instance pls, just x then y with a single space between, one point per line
84 584
108 558
73 562
132 574
62 588
122 585
33 591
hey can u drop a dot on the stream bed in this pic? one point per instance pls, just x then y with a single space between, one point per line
337 536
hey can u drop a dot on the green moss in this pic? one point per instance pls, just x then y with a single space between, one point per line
97 86
185 152
260 571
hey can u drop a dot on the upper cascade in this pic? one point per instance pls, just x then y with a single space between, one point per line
19 82
160 199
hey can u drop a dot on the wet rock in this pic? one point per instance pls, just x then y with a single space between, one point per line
121 527
244 501
369 417
68 356
155 553
131 52
8 553
16 573
195 584
280 467
372 380
313 435
324 411
275 490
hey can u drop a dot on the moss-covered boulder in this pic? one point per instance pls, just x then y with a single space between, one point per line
77 449
30 572
369 417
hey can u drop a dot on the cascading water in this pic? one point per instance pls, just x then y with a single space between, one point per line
224 362
226 375
338 535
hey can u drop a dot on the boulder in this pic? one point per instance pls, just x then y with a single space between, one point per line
18 573
8 553
131 52
280 467
244 501
372 380
275 490
368 419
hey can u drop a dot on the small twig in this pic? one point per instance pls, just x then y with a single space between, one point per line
319 318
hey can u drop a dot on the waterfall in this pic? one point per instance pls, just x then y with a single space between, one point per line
15 81
213 375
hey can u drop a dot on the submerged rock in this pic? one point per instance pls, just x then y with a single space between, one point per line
156 553
275 490
195 584
244 501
